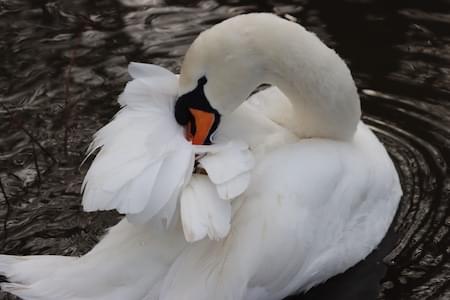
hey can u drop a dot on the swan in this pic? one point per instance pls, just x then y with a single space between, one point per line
290 187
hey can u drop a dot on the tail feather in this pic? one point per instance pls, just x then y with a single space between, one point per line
20 273
126 264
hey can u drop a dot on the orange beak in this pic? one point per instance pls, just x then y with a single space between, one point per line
203 123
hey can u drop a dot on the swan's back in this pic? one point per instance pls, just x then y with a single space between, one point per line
314 208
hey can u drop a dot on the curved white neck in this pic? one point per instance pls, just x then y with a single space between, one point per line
244 52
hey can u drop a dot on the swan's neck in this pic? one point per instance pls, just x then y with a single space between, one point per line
244 52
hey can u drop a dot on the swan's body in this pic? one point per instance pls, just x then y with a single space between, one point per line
321 196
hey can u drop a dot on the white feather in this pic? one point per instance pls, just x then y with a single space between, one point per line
203 212
140 166
140 70
171 179
234 187
228 166
230 160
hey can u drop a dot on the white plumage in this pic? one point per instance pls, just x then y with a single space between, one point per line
298 189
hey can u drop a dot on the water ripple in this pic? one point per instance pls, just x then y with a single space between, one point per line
65 63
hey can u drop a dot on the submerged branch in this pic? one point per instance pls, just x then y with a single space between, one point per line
8 206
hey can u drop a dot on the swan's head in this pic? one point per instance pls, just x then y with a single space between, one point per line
216 76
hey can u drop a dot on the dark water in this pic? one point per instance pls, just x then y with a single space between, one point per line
63 63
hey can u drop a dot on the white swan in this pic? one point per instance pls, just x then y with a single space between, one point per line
318 198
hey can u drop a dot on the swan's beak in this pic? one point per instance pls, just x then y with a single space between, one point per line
199 131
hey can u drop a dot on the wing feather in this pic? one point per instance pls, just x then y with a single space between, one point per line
144 158
203 212
145 163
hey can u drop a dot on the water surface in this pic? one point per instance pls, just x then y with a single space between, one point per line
63 63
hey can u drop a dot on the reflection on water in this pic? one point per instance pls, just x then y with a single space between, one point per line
64 63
